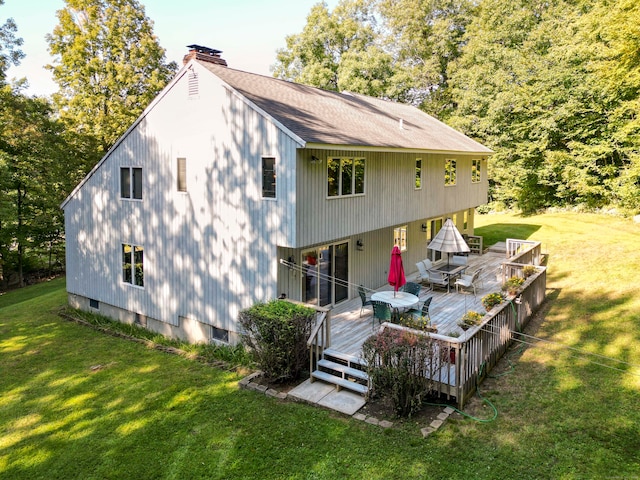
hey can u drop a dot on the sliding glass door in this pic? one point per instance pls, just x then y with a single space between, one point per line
325 274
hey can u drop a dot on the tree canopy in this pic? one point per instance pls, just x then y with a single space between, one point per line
108 66
10 53
552 87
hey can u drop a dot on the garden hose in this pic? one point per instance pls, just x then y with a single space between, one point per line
485 400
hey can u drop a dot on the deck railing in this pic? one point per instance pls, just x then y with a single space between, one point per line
461 363
526 252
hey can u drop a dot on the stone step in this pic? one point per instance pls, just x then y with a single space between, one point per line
340 382
344 370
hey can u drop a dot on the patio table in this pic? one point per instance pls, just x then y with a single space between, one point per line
451 271
400 300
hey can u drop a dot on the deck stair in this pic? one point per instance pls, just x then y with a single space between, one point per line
343 371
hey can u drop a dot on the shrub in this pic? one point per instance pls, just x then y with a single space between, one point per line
470 319
491 300
398 365
276 334
417 323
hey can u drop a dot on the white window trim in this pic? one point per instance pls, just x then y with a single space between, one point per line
350 195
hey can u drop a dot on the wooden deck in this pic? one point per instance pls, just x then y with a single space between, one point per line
349 330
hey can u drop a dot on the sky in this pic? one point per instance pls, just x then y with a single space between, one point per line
247 31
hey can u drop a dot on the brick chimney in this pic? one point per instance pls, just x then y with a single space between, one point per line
205 54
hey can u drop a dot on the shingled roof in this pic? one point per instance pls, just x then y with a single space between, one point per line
323 117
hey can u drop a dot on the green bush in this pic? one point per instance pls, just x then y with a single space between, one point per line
276 334
398 365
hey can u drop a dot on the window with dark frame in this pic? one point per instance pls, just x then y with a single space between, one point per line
220 334
418 184
182 174
345 176
133 264
131 183
268 177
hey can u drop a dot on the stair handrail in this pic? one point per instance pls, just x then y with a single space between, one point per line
320 337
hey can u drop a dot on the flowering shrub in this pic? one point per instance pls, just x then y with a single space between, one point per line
528 270
417 323
398 364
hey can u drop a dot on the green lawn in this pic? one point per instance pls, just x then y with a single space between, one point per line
79 404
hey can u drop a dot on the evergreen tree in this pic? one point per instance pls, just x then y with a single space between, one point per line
109 66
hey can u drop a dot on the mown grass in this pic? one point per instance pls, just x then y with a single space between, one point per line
76 403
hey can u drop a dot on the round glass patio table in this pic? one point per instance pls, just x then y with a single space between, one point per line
400 300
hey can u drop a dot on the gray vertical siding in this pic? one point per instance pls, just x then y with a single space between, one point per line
209 252
390 197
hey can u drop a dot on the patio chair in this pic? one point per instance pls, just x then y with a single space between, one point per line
422 312
381 311
363 296
469 281
423 272
459 260
412 288
438 278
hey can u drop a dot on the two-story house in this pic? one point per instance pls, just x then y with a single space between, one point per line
184 221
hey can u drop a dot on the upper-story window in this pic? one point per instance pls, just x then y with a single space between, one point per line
182 174
450 172
345 176
475 171
400 237
133 264
268 177
131 182
418 174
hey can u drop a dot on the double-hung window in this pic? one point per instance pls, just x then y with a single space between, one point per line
268 177
400 237
475 171
182 174
345 176
131 182
450 172
133 264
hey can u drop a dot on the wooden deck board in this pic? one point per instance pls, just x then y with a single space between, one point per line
349 330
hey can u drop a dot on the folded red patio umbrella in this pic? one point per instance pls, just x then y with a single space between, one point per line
396 270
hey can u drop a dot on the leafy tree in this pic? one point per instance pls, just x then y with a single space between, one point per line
109 66
338 50
10 54
33 177
425 36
